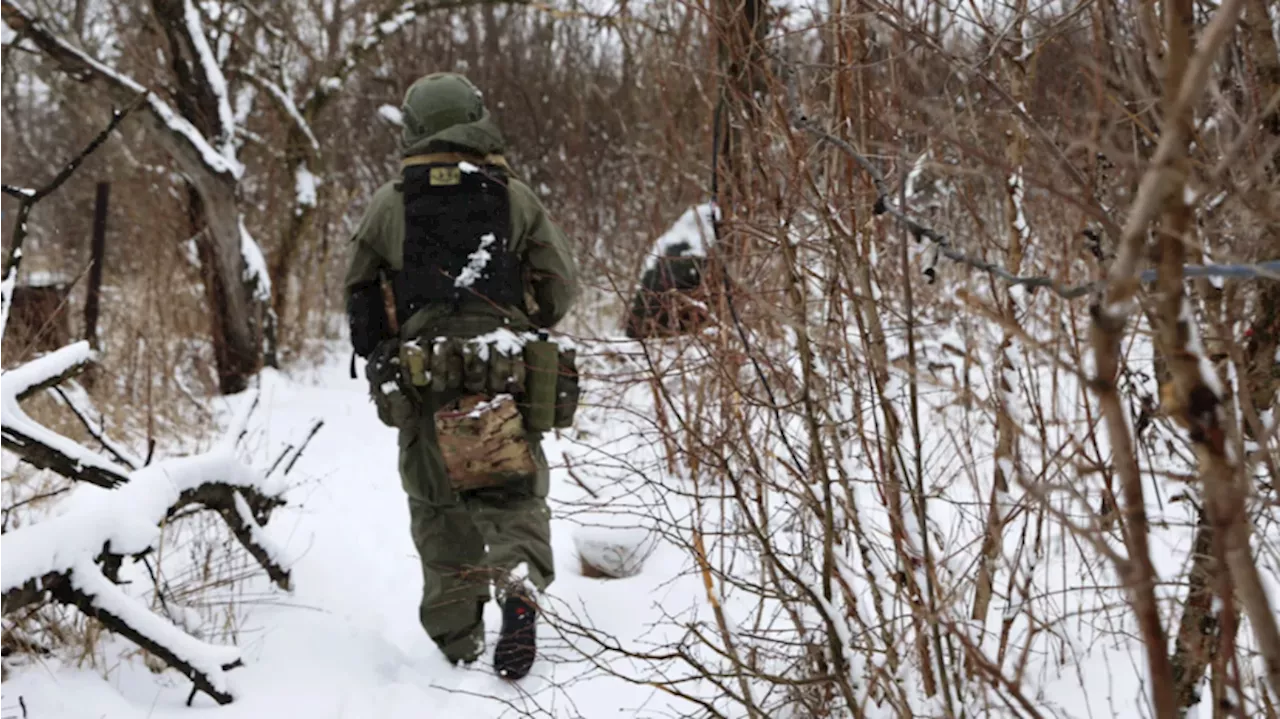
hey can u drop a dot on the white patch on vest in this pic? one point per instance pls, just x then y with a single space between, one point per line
467 167
476 262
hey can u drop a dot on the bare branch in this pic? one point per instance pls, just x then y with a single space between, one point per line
27 199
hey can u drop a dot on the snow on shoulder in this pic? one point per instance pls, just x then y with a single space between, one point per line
690 236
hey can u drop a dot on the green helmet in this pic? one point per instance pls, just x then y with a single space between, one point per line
437 102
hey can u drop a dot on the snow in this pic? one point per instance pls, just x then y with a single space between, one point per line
213 75
917 169
396 22
476 262
391 114
1207 373
125 521
694 228
347 642
1016 192
618 552
259 536
305 186
255 265
503 340
216 161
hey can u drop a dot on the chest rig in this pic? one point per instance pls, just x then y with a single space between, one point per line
457 237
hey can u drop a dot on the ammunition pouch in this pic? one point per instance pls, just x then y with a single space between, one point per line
542 379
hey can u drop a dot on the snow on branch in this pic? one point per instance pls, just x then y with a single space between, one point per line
203 663
286 104
384 25
80 66
227 494
255 265
38 445
214 79
78 401
58 558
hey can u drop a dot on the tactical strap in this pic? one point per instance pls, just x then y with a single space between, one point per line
446 158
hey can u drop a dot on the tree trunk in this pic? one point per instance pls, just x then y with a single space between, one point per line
234 315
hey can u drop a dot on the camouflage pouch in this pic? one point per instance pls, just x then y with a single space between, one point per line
483 442
395 408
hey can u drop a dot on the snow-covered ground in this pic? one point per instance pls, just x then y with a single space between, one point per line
346 642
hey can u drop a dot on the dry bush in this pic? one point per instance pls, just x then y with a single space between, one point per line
891 469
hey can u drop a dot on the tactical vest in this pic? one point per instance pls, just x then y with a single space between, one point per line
457 238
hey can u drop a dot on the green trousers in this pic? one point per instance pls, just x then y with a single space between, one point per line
472 541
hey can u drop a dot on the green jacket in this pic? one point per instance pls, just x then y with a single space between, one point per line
550 276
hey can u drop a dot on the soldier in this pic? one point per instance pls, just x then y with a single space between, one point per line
466 249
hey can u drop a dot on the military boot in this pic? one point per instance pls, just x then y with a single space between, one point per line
518 642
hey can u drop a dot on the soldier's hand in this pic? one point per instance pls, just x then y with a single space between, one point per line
384 362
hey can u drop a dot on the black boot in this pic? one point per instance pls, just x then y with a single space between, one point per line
518 644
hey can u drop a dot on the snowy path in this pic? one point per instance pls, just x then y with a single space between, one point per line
346 643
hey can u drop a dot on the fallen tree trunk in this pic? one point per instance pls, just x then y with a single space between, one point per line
58 558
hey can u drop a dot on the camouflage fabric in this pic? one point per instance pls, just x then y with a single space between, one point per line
483 442
452 524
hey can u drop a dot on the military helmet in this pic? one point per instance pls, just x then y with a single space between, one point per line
437 102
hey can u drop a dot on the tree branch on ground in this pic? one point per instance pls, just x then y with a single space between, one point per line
57 558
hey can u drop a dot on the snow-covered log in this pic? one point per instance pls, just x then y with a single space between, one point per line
56 559
120 517
235 492
41 447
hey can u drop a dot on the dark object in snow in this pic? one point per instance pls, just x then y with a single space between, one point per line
665 304
670 299
518 643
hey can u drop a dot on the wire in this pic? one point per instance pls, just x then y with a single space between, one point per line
1269 269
